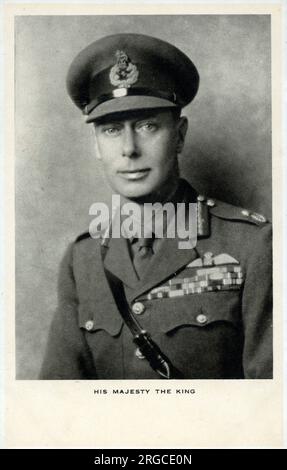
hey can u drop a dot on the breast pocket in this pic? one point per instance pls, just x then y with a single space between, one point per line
201 311
201 334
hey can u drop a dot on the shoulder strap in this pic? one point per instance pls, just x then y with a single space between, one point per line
157 360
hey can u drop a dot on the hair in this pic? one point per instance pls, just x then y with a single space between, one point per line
176 113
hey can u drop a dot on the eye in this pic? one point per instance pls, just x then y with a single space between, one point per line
147 126
111 131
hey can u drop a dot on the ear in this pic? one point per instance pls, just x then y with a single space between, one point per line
181 133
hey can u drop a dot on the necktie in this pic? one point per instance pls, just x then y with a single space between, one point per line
143 255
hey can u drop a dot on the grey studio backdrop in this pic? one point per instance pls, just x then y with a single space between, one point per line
227 153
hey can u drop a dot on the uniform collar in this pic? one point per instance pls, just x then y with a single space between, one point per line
141 219
167 259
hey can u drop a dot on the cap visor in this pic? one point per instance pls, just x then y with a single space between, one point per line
128 103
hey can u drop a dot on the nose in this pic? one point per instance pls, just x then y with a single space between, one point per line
129 148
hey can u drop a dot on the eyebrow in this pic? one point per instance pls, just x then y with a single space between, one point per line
122 117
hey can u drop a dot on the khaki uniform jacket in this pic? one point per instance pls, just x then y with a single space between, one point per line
218 328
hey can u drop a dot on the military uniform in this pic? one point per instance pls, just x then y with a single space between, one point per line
208 308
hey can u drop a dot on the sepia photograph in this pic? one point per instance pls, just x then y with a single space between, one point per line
168 110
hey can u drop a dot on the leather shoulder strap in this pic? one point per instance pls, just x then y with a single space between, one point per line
157 360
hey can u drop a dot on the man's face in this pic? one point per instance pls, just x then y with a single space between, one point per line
139 152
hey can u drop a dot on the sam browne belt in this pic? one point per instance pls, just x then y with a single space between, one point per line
158 361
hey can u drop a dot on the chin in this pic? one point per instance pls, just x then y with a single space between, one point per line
133 195
134 190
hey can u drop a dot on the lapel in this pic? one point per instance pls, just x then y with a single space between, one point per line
167 261
118 261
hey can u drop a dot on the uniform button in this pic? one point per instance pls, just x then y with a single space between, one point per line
245 212
201 318
89 325
138 354
138 308
210 202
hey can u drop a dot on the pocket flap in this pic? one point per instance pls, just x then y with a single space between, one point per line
108 319
199 310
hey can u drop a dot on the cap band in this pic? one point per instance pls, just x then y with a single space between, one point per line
121 92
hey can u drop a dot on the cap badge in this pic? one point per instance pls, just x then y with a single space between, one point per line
124 73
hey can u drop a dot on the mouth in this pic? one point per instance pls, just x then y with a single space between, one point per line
134 175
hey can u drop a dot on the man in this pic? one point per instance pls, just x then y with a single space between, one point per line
145 307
